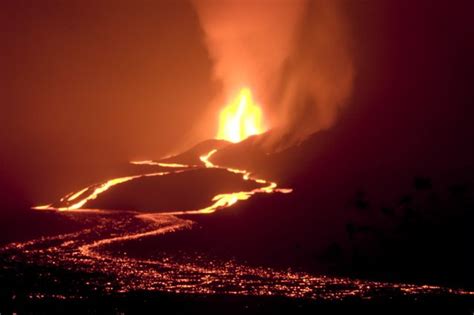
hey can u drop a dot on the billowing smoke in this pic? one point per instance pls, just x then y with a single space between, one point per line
294 55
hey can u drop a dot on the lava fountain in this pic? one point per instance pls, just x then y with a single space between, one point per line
241 118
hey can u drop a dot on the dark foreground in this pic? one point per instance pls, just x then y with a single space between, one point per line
34 289
144 302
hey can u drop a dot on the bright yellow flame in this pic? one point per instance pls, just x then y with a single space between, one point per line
241 118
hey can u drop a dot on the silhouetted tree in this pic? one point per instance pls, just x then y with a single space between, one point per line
430 235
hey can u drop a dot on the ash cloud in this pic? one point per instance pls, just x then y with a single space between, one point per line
294 55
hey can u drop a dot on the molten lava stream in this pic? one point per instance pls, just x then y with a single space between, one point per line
76 201
241 118
227 200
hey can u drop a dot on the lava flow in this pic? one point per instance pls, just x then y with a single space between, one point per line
78 200
90 251
239 120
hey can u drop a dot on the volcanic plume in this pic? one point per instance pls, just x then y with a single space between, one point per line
311 186
293 55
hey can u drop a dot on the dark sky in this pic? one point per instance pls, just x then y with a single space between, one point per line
87 85
415 78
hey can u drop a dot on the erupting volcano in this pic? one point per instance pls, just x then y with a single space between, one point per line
236 156
238 120
241 118
120 202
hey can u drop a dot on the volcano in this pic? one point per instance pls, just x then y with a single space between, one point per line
215 199
191 225
236 157
207 220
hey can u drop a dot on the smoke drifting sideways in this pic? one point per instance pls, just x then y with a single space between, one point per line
293 54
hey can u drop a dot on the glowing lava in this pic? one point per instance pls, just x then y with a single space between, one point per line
88 252
76 201
241 118
238 120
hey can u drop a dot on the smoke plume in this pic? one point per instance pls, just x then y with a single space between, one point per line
293 54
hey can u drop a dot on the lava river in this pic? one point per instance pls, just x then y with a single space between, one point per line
88 252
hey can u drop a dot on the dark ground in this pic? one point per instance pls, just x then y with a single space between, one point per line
24 279
356 191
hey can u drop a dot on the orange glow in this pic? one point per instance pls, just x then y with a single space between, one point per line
76 201
227 200
241 118
238 120
150 162
205 159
